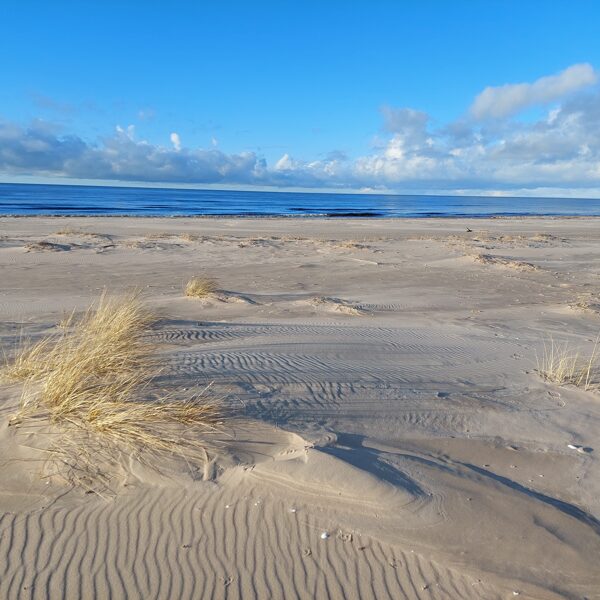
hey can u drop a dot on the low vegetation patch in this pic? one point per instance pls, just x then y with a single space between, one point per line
190 237
108 336
489 259
200 287
565 365
588 303
45 246
30 360
92 383
69 231
159 235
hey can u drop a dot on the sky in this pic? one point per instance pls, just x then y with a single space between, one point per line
460 97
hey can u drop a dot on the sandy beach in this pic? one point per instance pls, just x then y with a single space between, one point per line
388 435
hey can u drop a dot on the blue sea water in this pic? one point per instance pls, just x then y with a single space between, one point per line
34 199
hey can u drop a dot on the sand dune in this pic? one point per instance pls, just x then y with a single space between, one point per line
388 434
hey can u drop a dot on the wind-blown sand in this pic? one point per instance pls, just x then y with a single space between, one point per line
382 376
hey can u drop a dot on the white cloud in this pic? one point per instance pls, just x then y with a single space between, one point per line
409 122
558 154
562 149
506 100
37 150
285 163
176 141
128 132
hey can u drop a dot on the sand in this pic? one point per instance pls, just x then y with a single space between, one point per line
389 436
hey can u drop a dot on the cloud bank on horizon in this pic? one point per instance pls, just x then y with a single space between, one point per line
525 137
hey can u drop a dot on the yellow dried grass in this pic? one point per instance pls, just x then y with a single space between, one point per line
190 237
200 287
30 360
109 336
564 365
92 382
68 231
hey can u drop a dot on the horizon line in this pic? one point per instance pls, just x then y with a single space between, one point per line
290 190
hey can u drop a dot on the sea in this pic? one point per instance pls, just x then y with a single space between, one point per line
36 199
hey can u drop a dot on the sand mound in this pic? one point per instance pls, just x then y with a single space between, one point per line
45 246
334 305
519 265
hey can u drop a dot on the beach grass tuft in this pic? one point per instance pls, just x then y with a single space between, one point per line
108 337
190 237
30 360
92 382
68 231
200 287
565 365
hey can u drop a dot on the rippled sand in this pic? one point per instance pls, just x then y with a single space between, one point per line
390 438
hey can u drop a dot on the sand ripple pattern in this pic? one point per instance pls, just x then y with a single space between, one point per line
296 374
207 543
313 354
214 332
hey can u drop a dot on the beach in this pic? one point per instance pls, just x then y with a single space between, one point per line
388 433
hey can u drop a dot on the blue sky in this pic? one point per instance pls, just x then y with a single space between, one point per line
388 96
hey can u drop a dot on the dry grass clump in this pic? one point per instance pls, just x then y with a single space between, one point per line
31 360
107 337
544 237
92 383
159 235
191 237
489 259
135 244
349 244
80 233
200 287
587 303
564 365
45 246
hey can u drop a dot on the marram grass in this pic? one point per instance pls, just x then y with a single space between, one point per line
92 383
108 337
564 365
200 287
